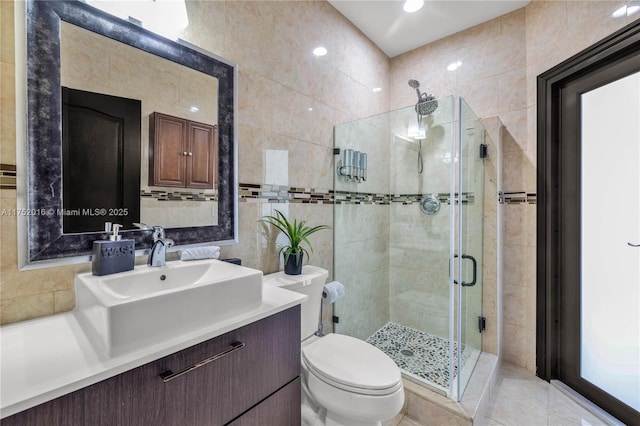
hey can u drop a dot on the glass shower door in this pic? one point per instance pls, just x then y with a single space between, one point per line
395 235
469 215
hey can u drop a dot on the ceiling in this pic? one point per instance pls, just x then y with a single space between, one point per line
396 31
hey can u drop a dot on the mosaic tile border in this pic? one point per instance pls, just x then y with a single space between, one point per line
162 195
443 197
420 354
347 197
7 176
518 197
263 193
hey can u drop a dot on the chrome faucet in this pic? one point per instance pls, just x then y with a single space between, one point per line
157 255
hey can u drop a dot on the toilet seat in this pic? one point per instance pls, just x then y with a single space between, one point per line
352 365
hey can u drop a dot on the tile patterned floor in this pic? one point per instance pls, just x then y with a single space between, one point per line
418 353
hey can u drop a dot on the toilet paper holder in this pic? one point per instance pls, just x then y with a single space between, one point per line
334 285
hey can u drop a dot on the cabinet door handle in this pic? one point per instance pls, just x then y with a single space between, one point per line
190 154
184 153
170 375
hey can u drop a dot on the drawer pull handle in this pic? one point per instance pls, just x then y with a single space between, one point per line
170 375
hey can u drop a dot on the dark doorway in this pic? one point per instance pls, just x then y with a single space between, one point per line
101 160
562 311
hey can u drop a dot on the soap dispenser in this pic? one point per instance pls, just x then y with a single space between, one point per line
113 255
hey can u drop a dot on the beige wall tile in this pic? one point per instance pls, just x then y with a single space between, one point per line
26 307
8 116
256 100
64 300
518 173
511 95
206 25
7 50
514 301
515 349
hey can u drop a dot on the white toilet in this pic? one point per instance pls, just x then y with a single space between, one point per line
350 382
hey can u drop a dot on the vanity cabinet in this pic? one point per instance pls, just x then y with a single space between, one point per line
182 153
256 383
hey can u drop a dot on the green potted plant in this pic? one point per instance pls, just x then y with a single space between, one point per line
297 233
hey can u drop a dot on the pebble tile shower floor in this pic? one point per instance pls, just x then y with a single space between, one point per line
421 354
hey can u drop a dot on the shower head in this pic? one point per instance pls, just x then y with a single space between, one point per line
426 105
416 85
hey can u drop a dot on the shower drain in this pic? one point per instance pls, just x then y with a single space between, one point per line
406 352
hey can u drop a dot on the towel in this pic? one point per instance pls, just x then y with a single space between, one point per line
332 292
195 253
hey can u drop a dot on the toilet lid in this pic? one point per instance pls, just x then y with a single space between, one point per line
348 362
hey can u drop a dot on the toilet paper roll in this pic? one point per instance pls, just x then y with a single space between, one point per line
333 292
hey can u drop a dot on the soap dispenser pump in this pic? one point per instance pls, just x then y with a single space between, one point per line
114 236
115 255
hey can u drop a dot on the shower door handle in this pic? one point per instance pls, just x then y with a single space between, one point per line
475 270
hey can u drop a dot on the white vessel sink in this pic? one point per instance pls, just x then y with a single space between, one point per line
132 310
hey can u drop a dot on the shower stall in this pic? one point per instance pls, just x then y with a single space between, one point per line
408 238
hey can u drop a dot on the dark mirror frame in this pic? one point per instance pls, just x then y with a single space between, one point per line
45 237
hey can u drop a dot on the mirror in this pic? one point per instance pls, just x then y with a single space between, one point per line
48 24
95 64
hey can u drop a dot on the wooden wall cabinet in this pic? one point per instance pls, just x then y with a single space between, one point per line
182 153
258 384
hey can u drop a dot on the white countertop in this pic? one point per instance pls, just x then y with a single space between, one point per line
48 357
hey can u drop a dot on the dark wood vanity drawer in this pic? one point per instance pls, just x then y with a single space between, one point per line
270 359
209 395
280 409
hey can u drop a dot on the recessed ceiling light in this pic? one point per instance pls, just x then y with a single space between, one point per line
620 12
320 51
377 89
194 109
411 6
454 65
309 109
626 10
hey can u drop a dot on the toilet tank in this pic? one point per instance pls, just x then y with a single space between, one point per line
309 283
